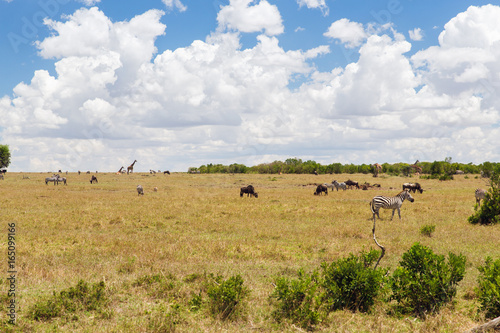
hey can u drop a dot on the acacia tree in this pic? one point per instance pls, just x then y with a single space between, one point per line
4 156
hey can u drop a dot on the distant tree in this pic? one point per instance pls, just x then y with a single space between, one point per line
4 156
489 212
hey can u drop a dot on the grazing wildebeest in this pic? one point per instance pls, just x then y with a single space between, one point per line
413 187
393 203
351 183
320 189
166 172
480 195
339 185
93 179
140 190
249 190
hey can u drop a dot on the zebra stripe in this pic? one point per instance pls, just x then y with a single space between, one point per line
393 203
480 195
337 185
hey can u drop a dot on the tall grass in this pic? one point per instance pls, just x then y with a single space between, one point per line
197 225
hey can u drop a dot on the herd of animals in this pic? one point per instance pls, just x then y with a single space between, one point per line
376 203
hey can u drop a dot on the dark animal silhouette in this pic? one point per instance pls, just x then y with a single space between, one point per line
320 189
351 183
93 179
413 187
166 172
249 190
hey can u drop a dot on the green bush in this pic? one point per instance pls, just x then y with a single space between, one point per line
226 296
489 288
424 282
352 283
349 283
80 298
489 212
427 230
298 300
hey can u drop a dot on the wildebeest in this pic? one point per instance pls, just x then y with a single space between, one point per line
320 189
166 172
351 183
413 187
249 190
480 195
93 179
140 190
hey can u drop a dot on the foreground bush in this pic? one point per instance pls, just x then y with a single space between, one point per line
352 283
298 300
349 283
488 290
424 282
226 296
83 297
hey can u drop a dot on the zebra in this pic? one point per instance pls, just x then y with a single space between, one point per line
61 179
51 179
330 186
393 203
337 185
480 195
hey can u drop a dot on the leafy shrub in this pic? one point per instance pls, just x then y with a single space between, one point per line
226 296
298 300
349 283
489 212
427 230
424 282
489 288
352 283
80 298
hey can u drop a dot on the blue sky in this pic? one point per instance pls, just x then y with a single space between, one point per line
246 81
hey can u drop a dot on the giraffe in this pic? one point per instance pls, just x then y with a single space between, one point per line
416 168
120 171
130 168
377 168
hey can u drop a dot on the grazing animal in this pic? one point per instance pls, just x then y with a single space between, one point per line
393 203
155 189
339 185
61 179
130 168
152 171
79 172
249 190
320 189
166 172
51 179
413 187
330 186
350 184
140 190
120 171
93 179
480 195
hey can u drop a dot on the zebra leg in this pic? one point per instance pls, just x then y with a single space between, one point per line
399 213
393 213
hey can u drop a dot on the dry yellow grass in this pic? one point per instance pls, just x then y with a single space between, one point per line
198 224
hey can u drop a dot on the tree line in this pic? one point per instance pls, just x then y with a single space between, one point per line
297 166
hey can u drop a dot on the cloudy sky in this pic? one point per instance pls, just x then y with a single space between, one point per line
97 84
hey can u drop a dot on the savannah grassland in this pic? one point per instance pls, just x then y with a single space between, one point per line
197 225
